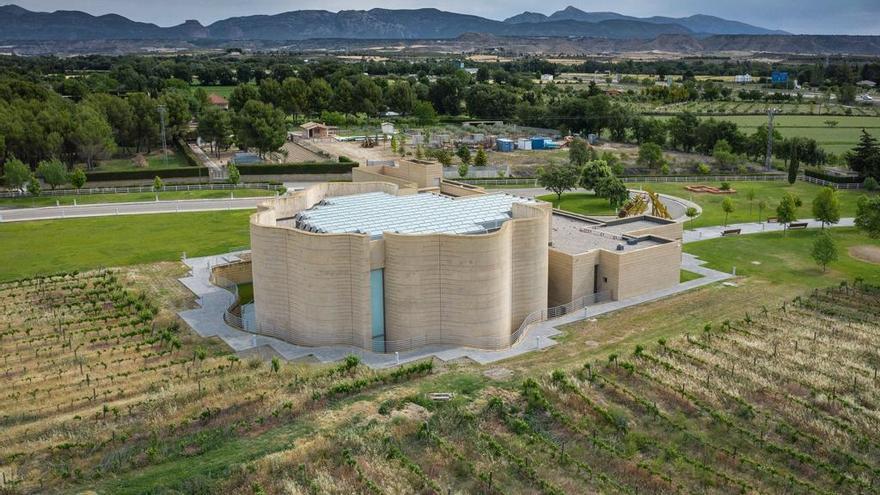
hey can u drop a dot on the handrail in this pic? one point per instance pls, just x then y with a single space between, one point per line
229 316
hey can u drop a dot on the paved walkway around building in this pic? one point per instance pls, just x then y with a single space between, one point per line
703 233
207 321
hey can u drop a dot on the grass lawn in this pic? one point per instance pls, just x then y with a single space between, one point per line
86 199
771 192
224 91
583 203
214 463
154 161
30 248
687 276
785 259
246 293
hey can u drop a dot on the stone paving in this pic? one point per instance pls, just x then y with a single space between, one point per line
207 321
703 233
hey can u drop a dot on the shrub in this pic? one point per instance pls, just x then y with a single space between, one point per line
725 186
871 184
703 169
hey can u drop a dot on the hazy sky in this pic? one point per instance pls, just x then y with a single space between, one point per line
796 16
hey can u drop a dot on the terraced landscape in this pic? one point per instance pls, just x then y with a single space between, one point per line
106 391
782 400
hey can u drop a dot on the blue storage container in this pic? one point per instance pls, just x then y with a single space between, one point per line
504 145
537 143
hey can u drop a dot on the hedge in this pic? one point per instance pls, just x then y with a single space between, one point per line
297 168
165 173
188 153
172 173
818 174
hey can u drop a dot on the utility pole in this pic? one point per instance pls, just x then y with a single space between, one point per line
770 113
162 110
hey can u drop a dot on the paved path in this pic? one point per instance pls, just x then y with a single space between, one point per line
207 321
703 233
216 170
139 208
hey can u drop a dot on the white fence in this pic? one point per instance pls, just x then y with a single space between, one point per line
835 185
673 179
138 189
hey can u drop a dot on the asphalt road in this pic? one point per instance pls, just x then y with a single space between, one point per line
140 208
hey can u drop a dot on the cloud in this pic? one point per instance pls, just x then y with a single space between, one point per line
804 16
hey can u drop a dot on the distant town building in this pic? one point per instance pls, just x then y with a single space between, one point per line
313 130
218 101
866 83
387 128
545 78
742 78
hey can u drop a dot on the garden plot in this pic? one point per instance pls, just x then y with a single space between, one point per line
103 389
783 400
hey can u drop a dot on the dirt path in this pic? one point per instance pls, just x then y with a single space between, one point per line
866 253
355 152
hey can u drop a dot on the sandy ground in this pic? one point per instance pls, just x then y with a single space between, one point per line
354 151
870 254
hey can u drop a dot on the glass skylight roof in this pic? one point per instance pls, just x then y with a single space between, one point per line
378 212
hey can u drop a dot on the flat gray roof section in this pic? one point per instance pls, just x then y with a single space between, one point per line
574 236
624 227
378 212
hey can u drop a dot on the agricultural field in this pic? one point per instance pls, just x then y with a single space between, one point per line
86 199
779 400
104 390
838 139
724 107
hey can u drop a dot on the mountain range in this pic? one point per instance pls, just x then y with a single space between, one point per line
20 24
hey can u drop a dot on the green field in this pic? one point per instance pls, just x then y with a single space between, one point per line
770 192
224 91
29 248
155 161
838 139
785 259
86 199
582 203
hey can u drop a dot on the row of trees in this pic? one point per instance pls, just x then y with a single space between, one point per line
587 170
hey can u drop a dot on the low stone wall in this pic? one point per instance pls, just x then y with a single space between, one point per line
460 189
346 177
237 273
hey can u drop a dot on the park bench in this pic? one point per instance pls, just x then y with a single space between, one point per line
731 232
772 220
801 225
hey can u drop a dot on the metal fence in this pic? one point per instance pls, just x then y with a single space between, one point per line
139 189
229 316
